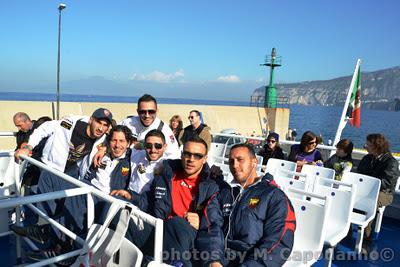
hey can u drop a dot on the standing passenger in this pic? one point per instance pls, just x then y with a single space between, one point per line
147 121
196 128
176 125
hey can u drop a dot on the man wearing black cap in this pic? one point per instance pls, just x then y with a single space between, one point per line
69 140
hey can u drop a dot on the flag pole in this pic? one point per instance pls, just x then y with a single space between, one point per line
343 118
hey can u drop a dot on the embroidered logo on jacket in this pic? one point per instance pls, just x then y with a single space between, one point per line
141 168
253 202
66 124
124 171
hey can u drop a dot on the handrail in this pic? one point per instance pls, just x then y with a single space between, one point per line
83 188
8 134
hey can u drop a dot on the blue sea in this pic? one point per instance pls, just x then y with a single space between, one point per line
321 120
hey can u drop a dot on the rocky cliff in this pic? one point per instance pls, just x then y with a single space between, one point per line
380 90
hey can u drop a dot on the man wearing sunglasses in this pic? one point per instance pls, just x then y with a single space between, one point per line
145 162
185 197
146 121
196 128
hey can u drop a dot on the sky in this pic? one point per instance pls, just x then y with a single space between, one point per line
209 49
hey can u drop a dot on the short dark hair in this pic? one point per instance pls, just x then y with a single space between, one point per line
197 139
146 98
42 120
249 147
120 129
156 133
380 143
346 145
195 111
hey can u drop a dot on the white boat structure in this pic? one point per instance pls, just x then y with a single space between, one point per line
329 205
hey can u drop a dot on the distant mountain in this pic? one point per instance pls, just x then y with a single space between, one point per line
380 90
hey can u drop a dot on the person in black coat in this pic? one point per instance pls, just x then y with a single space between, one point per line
271 149
380 163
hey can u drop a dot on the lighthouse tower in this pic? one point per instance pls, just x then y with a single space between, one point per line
276 108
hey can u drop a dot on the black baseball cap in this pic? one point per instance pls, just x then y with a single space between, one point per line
102 114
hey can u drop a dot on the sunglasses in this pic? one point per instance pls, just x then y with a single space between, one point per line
312 143
149 111
155 145
196 156
191 117
271 141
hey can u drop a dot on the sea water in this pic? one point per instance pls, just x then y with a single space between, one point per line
319 119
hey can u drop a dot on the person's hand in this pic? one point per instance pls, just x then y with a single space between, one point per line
215 264
193 219
26 150
137 145
121 193
99 156
301 162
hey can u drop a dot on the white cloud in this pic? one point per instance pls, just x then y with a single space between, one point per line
158 76
229 79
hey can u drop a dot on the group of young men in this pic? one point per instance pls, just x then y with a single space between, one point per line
252 224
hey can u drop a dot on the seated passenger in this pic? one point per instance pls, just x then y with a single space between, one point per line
114 174
341 161
145 162
381 164
306 152
262 221
184 196
271 149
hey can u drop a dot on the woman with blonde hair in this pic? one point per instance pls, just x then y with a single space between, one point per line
176 125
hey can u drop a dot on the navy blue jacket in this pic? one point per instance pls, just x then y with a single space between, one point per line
262 224
158 202
120 176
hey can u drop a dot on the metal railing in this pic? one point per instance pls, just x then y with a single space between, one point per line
82 189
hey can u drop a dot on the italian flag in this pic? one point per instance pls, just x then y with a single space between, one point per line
355 102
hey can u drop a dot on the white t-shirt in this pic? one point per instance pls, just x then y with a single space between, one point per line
103 173
142 173
139 131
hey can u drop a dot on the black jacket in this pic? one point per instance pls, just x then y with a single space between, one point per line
385 168
267 153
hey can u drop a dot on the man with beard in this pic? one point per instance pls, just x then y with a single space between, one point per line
146 121
69 141
185 197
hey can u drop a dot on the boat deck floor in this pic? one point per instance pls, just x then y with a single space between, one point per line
382 252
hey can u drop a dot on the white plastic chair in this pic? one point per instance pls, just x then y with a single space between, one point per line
381 210
273 165
338 222
365 202
310 227
226 172
313 172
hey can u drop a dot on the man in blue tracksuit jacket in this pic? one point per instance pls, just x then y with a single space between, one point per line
185 197
261 226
